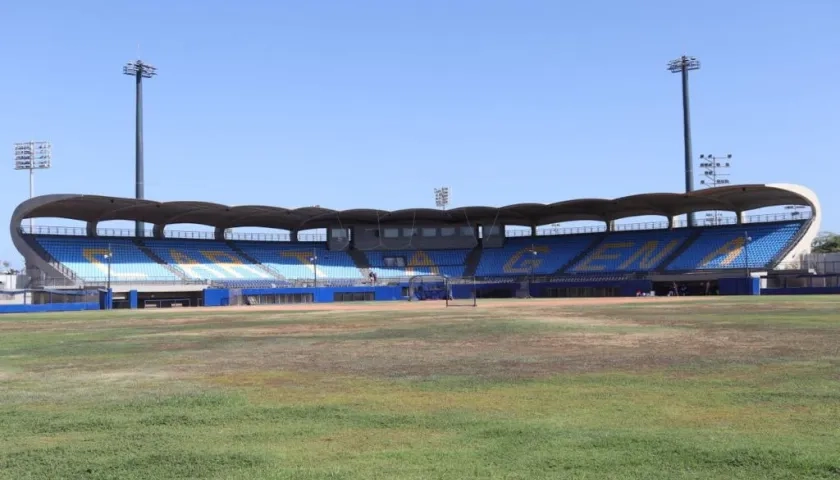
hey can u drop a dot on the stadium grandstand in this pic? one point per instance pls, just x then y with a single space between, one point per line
370 247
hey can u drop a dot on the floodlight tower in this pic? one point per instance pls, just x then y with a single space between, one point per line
139 71
33 156
714 173
314 261
109 257
682 66
442 197
747 240
796 210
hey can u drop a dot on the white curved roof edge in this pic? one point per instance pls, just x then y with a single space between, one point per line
800 190
636 205
803 246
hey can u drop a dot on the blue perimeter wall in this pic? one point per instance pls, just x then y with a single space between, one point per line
740 286
218 297
801 291
49 307
627 288
221 297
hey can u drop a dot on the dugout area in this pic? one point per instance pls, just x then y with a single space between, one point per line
462 291
160 299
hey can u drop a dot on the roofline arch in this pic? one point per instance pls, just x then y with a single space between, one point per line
95 208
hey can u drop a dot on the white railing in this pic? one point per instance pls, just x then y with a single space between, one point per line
661 225
182 234
320 237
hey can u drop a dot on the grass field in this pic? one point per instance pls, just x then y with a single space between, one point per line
727 388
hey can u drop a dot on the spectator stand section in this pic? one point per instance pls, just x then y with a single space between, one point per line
368 249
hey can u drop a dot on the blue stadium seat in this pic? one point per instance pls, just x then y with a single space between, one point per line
632 251
616 253
86 258
450 263
515 257
723 247
206 260
294 261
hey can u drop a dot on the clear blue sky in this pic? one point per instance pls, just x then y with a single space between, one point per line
373 103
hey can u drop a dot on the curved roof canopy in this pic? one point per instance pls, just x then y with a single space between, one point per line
95 208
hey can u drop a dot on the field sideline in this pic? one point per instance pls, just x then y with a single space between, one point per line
724 387
484 303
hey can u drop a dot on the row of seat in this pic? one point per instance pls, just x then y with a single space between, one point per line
88 258
691 249
419 262
718 248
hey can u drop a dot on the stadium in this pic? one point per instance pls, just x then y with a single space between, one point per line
370 254
637 332
326 350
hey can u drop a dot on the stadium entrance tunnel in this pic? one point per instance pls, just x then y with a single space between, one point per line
496 291
578 288
690 288
160 299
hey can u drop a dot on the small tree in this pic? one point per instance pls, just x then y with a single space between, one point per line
826 242
6 265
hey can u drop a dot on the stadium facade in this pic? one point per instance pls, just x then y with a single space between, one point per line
369 249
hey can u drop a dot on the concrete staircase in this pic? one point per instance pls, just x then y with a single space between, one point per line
265 268
472 261
51 261
154 256
793 242
361 261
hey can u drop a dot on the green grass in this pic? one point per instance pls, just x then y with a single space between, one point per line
734 388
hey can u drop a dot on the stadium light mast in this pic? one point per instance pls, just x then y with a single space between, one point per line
139 71
33 156
534 252
314 261
442 197
747 240
714 173
682 66
109 258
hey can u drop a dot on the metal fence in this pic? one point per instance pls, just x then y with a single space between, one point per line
804 281
103 282
822 262
47 296
816 263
